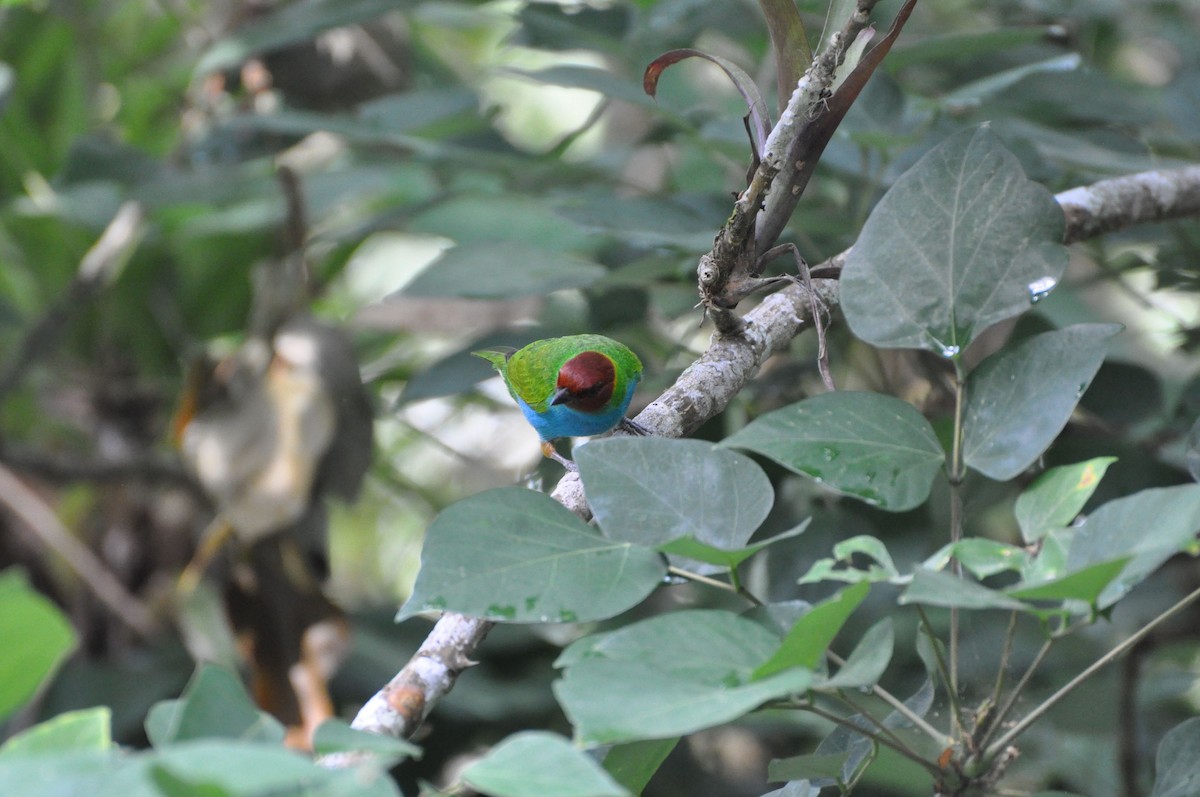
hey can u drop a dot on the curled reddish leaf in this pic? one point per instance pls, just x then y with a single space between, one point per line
760 119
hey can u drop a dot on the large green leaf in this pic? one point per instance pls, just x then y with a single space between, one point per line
86 729
840 567
671 675
1177 763
540 764
214 705
36 639
805 644
1150 526
226 768
938 588
633 764
517 555
1083 585
866 663
1057 496
501 270
1020 398
866 445
962 240
652 490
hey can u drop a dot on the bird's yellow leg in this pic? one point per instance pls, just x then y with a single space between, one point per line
549 452
214 538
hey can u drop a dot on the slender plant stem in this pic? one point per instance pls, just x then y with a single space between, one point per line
883 729
1016 693
1099 664
736 589
989 720
930 766
699 579
956 519
943 671
896 703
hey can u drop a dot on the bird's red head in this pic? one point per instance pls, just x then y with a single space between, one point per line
585 382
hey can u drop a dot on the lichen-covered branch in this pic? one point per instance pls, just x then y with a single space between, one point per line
710 383
1121 202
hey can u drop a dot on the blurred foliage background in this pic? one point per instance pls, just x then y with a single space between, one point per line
481 174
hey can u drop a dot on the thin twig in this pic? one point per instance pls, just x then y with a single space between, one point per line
930 766
51 533
1096 666
98 267
943 670
988 720
885 730
1011 701
898 705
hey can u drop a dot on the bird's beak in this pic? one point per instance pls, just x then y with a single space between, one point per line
560 396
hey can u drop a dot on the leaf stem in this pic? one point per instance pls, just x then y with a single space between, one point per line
736 589
1099 664
929 766
956 519
898 705
1000 716
883 729
985 726
943 671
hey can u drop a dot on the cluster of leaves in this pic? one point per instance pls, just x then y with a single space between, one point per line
961 241
566 216
214 721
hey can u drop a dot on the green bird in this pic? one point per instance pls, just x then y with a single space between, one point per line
574 386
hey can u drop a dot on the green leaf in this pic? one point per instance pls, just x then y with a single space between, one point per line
867 662
36 640
540 764
883 568
938 588
1177 763
805 644
651 490
1050 561
1020 398
982 557
813 766
337 736
214 705
959 45
670 675
865 445
633 764
76 773
1082 585
1151 526
1057 496
519 556
501 270
972 94
254 768
86 729
962 240
691 548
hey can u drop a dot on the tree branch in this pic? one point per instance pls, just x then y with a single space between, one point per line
50 532
709 384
